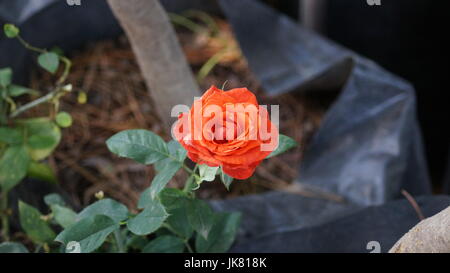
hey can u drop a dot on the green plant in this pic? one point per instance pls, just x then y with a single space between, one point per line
168 220
26 142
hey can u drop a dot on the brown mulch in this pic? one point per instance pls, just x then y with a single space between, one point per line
118 99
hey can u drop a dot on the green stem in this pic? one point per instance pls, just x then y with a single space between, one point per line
37 102
66 61
119 241
166 225
186 168
185 22
30 47
56 92
185 240
3 110
4 215
191 179
210 64
189 248
206 18
67 66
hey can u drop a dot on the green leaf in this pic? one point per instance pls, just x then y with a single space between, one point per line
172 198
41 171
177 153
10 135
111 208
226 179
145 199
63 119
175 202
140 145
43 127
5 77
179 222
207 173
54 199
222 234
194 183
64 216
17 90
38 142
200 216
37 229
149 220
163 177
176 150
13 166
10 247
162 231
49 61
284 143
136 242
165 244
11 31
89 232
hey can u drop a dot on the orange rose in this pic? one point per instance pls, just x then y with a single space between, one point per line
227 129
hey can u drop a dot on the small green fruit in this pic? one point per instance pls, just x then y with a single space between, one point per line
11 31
64 119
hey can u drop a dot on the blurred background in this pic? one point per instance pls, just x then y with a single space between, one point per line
408 38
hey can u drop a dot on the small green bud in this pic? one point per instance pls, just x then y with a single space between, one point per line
82 97
11 31
64 119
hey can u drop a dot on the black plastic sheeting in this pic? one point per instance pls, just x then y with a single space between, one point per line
367 149
369 145
303 225
18 11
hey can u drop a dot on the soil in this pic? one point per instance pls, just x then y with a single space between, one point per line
118 100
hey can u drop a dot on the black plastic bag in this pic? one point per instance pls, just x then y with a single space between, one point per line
368 146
